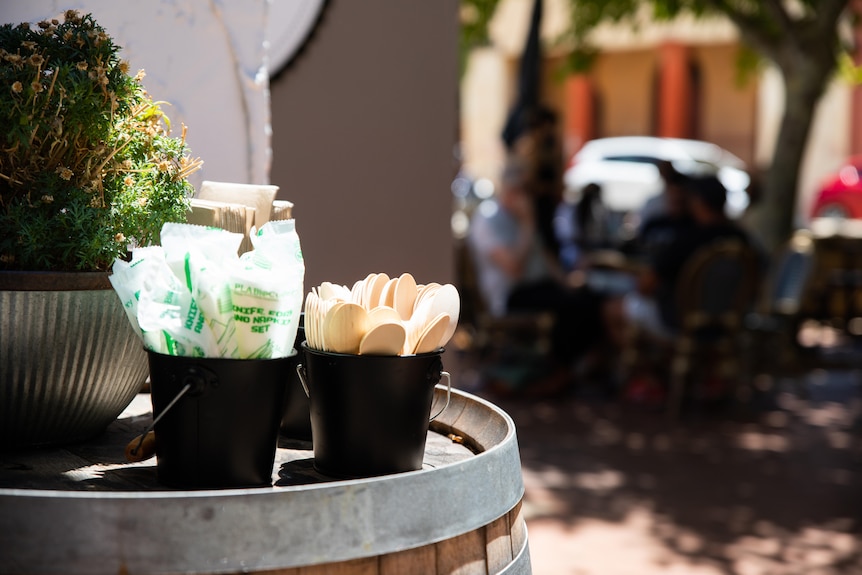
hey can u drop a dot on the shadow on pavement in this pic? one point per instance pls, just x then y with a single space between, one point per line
613 488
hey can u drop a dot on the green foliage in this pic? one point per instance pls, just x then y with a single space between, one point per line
87 165
848 70
580 59
748 64
474 16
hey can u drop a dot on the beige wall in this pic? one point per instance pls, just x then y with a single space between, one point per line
364 124
624 90
728 107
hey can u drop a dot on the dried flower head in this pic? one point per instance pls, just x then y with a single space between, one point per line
89 138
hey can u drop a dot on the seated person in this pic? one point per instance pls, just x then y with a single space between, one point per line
515 274
665 216
653 306
581 227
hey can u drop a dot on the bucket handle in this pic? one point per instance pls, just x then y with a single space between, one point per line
182 392
300 371
448 394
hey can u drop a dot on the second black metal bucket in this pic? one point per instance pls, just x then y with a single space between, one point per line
222 431
369 413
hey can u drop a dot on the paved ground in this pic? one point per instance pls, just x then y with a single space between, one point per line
615 489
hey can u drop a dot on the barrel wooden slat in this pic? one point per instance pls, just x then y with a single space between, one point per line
367 566
486 551
519 528
83 509
498 544
419 561
463 555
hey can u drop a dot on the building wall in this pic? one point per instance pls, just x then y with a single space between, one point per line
623 86
727 109
364 127
484 104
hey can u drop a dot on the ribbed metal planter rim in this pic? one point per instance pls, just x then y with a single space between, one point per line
69 361
53 281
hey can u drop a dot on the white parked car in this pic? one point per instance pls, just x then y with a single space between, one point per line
626 169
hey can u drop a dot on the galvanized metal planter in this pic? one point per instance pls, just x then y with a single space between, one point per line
69 360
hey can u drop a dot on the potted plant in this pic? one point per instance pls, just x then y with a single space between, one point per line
88 168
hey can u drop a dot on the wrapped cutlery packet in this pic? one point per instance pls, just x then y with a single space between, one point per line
193 296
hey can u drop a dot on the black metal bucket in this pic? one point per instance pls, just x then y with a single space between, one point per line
221 420
369 413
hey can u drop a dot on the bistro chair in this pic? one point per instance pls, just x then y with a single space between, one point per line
716 289
835 293
521 340
772 329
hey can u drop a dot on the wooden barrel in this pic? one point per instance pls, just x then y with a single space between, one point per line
86 510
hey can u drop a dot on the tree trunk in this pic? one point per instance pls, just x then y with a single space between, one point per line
775 214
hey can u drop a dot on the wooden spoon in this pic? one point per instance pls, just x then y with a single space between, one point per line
446 300
405 295
383 339
365 291
314 319
310 318
356 292
344 327
429 339
376 288
328 290
327 312
319 309
387 294
383 314
424 292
